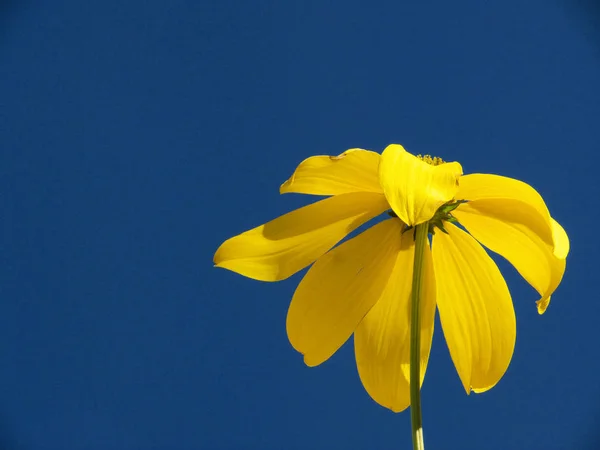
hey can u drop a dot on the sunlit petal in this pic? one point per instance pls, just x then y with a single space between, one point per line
354 170
558 270
282 247
339 289
475 307
382 340
511 199
561 240
525 250
415 189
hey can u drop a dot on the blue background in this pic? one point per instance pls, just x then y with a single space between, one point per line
136 136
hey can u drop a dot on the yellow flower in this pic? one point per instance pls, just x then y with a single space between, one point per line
363 285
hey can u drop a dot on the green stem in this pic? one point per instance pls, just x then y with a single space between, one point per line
415 338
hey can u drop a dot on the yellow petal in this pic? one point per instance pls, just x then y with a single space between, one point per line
524 249
561 250
354 170
475 307
558 270
561 240
282 247
513 199
339 289
382 340
415 189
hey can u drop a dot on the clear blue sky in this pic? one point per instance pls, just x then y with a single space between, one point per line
136 136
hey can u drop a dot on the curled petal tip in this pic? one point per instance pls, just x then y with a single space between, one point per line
542 305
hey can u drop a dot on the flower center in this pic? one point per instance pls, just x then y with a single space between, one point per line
431 160
444 212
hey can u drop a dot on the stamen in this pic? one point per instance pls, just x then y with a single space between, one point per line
431 160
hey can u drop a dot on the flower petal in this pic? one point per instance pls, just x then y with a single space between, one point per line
513 199
282 247
561 240
382 340
339 289
355 170
475 307
524 249
415 189
558 270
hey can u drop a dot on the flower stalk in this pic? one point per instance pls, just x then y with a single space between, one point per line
415 337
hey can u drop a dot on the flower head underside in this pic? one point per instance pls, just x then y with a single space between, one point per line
362 286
